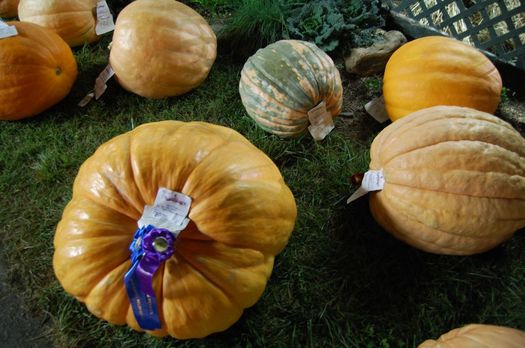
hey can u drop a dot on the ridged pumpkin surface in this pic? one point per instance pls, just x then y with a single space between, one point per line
437 70
161 48
73 20
454 180
479 336
242 216
8 8
37 70
283 81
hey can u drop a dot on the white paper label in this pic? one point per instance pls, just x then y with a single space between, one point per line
85 101
169 211
100 82
373 180
321 122
105 22
7 30
376 109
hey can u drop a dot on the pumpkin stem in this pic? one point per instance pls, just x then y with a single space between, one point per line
58 71
357 178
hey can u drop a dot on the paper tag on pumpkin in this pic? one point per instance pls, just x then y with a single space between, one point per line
7 30
105 22
100 82
100 86
373 180
170 211
376 109
321 122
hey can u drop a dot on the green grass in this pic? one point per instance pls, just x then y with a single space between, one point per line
341 281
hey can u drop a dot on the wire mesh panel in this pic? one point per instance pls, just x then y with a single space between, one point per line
494 26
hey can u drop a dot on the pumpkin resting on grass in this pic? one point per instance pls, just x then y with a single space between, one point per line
454 180
242 215
73 20
37 70
479 336
283 81
161 48
437 70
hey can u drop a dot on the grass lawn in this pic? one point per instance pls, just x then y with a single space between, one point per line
341 282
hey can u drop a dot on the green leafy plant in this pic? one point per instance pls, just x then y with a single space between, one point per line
328 22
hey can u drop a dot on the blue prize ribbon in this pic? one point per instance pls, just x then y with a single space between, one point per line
146 259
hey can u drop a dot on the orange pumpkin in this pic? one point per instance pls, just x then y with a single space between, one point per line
37 70
73 20
161 48
454 180
8 8
242 215
479 336
437 70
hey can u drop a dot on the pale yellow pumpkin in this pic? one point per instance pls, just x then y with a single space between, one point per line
242 215
479 336
161 48
454 180
73 20
8 8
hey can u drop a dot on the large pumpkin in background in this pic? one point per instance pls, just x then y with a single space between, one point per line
73 20
479 336
283 81
161 48
454 180
242 215
37 70
8 8
437 70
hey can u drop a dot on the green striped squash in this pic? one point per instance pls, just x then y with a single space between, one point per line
283 81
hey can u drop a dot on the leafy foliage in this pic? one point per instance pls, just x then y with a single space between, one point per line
328 22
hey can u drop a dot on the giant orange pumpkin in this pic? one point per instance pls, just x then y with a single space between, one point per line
8 8
479 336
454 180
241 216
283 81
37 70
161 48
437 70
73 20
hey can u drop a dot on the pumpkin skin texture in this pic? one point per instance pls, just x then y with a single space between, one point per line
38 70
454 180
8 8
437 70
161 48
479 336
242 215
73 20
283 81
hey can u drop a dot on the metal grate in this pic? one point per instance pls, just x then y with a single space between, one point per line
495 26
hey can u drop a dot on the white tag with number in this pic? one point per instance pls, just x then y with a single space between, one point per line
169 211
321 122
7 30
105 22
376 109
373 180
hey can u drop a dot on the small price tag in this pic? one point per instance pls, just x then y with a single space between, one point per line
100 82
105 22
373 180
376 109
7 30
321 122
169 211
